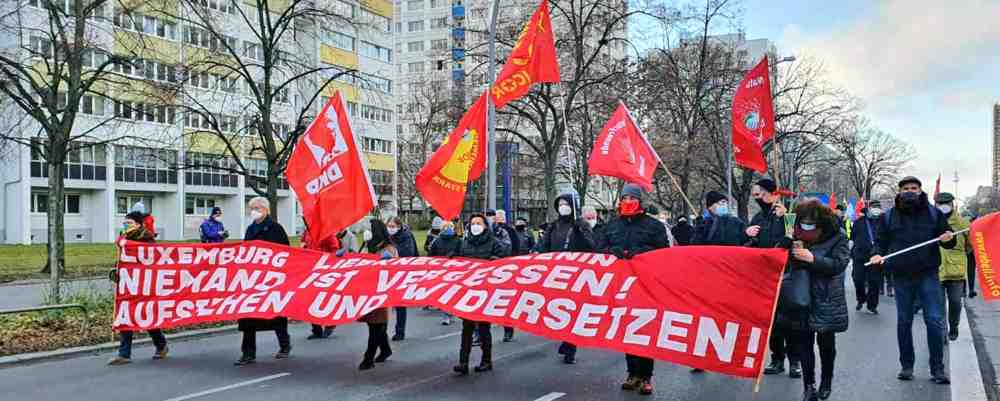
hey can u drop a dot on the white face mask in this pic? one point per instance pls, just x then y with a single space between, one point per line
490 220
565 210
875 212
367 235
392 230
592 222
945 209
256 215
477 229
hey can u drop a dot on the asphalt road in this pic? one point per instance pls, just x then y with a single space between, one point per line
528 369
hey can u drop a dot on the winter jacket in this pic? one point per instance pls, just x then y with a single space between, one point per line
898 230
721 230
381 315
211 231
404 242
828 302
683 233
954 261
501 236
140 234
633 235
565 234
772 229
526 241
267 230
431 236
511 233
865 228
446 246
483 246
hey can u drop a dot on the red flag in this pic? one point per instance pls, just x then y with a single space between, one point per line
753 118
833 200
533 60
937 187
461 158
858 207
622 151
985 238
329 175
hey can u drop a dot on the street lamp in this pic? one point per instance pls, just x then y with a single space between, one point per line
786 59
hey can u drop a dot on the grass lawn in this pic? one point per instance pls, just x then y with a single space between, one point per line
20 262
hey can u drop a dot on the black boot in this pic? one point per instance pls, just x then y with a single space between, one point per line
777 366
809 394
794 369
366 364
462 369
825 389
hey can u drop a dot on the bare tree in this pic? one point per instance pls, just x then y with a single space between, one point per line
61 68
874 158
427 117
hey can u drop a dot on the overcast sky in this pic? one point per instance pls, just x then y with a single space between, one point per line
927 70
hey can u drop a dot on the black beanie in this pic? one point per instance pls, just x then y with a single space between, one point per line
768 185
713 197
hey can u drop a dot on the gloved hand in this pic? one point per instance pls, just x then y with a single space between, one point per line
341 252
618 252
386 255
113 275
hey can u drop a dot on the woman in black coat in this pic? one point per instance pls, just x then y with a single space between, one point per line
378 320
263 228
447 244
479 243
406 245
821 248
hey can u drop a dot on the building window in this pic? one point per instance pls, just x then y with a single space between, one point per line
438 23
124 203
415 26
341 41
415 5
86 163
199 205
379 22
439 44
376 52
343 8
145 24
144 165
209 170
376 145
40 203
376 113
369 81
415 67
415 46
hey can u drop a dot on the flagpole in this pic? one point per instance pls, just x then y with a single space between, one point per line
491 161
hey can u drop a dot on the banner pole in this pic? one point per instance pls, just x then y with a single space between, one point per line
767 341
917 246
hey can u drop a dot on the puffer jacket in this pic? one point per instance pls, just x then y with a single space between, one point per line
404 242
828 302
721 231
954 261
772 229
633 235
445 246
483 246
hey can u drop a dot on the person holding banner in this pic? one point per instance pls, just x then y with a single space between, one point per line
379 243
135 231
402 239
867 279
719 227
567 233
329 245
479 243
634 232
953 264
447 244
821 248
915 273
263 228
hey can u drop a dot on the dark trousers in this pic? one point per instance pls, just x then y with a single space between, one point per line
802 345
567 349
971 270
780 345
952 292
400 321
318 329
887 278
125 345
926 288
378 340
485 339
508 332
639 366
249 345
867 283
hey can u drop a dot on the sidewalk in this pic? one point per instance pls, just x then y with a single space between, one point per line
984 317
33 293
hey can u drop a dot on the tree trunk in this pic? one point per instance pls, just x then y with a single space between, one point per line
56 230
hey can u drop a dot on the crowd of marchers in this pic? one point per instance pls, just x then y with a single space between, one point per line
932 278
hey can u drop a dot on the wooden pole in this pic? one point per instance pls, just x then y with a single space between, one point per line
767 341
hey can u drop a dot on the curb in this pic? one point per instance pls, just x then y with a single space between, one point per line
39 281
65 353
966 377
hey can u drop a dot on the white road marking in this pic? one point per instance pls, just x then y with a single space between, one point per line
550 396
443 336
230 387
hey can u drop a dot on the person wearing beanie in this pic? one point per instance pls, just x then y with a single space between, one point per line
433 233
630 233
478 243
867 279
766 230
953 263
720 227
567 234
212 229
133 230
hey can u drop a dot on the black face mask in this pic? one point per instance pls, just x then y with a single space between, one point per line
763 204
909 198
521 228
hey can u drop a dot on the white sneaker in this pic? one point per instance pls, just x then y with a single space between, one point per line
446 322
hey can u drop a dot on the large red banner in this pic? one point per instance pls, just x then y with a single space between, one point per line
705 307
985 237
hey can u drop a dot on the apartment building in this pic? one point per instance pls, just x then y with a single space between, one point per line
159 156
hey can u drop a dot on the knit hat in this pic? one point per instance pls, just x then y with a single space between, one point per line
136 217
910 180
632 190
216 210
944 197
713 197
436 223
874 203
768 185
491 212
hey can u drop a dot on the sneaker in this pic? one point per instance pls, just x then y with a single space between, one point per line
398 337
119 360
696 370
906 374
476 342
809 394
314 336
508 338
940 378
161 354
446 321
953 335
972 294
646 387
632 383
859 306
245 360
873 311
484 367
462 370
824 391
365 365
776 367
794 370
569 359
383 357
283 354
328 331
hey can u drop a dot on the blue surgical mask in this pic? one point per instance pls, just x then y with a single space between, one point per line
807 227
449 232
722 210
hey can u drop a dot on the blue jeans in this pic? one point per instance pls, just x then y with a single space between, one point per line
125 346
925 288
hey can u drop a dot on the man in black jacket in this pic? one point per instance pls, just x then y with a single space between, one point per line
720 227
767 229
915 273
682 231
567 233
632 233
867 280
525 238
596 226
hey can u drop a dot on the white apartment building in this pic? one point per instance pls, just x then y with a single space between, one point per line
103 182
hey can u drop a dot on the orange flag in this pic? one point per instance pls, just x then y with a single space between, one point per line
985 240
533 60
461 158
